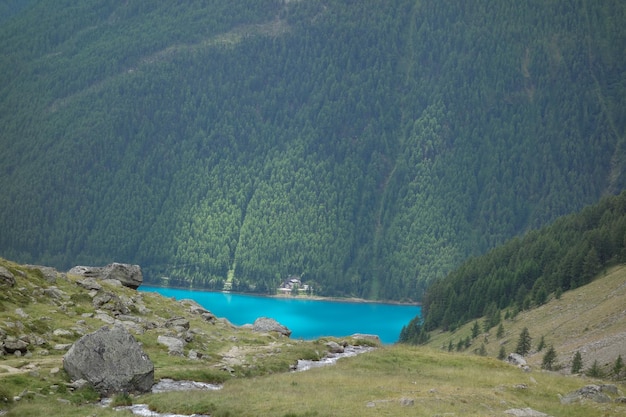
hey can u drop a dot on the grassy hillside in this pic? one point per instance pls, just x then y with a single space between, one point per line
391 380
523 272
589 319
369 146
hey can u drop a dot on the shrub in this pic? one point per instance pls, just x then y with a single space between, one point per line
5 395
122 400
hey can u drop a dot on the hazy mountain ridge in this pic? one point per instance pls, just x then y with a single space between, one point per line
369 152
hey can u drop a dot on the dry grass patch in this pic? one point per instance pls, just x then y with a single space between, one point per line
591 319
390 381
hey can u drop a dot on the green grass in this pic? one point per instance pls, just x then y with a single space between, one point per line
260 384
587 319
373 384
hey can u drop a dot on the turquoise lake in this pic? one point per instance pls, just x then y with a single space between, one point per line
307 319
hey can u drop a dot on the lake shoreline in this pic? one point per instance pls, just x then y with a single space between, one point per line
308 318
298 297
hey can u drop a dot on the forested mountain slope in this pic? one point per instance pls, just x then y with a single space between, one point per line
524 272
368 146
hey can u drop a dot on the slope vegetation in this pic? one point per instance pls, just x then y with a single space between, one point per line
391 380
590 320
522 273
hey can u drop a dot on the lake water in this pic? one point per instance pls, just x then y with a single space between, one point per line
307 319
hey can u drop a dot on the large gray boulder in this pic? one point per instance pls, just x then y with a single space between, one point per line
267 325
129 275
111 360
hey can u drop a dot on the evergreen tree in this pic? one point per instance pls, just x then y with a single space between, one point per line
577 363
502 353
475 330
541 344
500 332
482 351
558 292
414 333
524 342
618 367
460 345
595 371
549 359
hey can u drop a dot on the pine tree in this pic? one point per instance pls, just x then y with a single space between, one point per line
577 363
500 332
523 344
542 344
558 292
595 371
618 367
414 333
548 359
475 330
502 353
459 345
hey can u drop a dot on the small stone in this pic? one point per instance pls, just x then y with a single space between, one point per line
334 347
62 346
407 402
174 345
525 412
62 333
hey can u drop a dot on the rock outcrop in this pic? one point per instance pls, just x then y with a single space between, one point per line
596 393
129 275
267 325
6 277
518 360
111 360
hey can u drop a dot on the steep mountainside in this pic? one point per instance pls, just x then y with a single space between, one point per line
589 320
369 147
524 272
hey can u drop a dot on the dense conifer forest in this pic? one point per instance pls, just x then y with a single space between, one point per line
526 271
369 147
